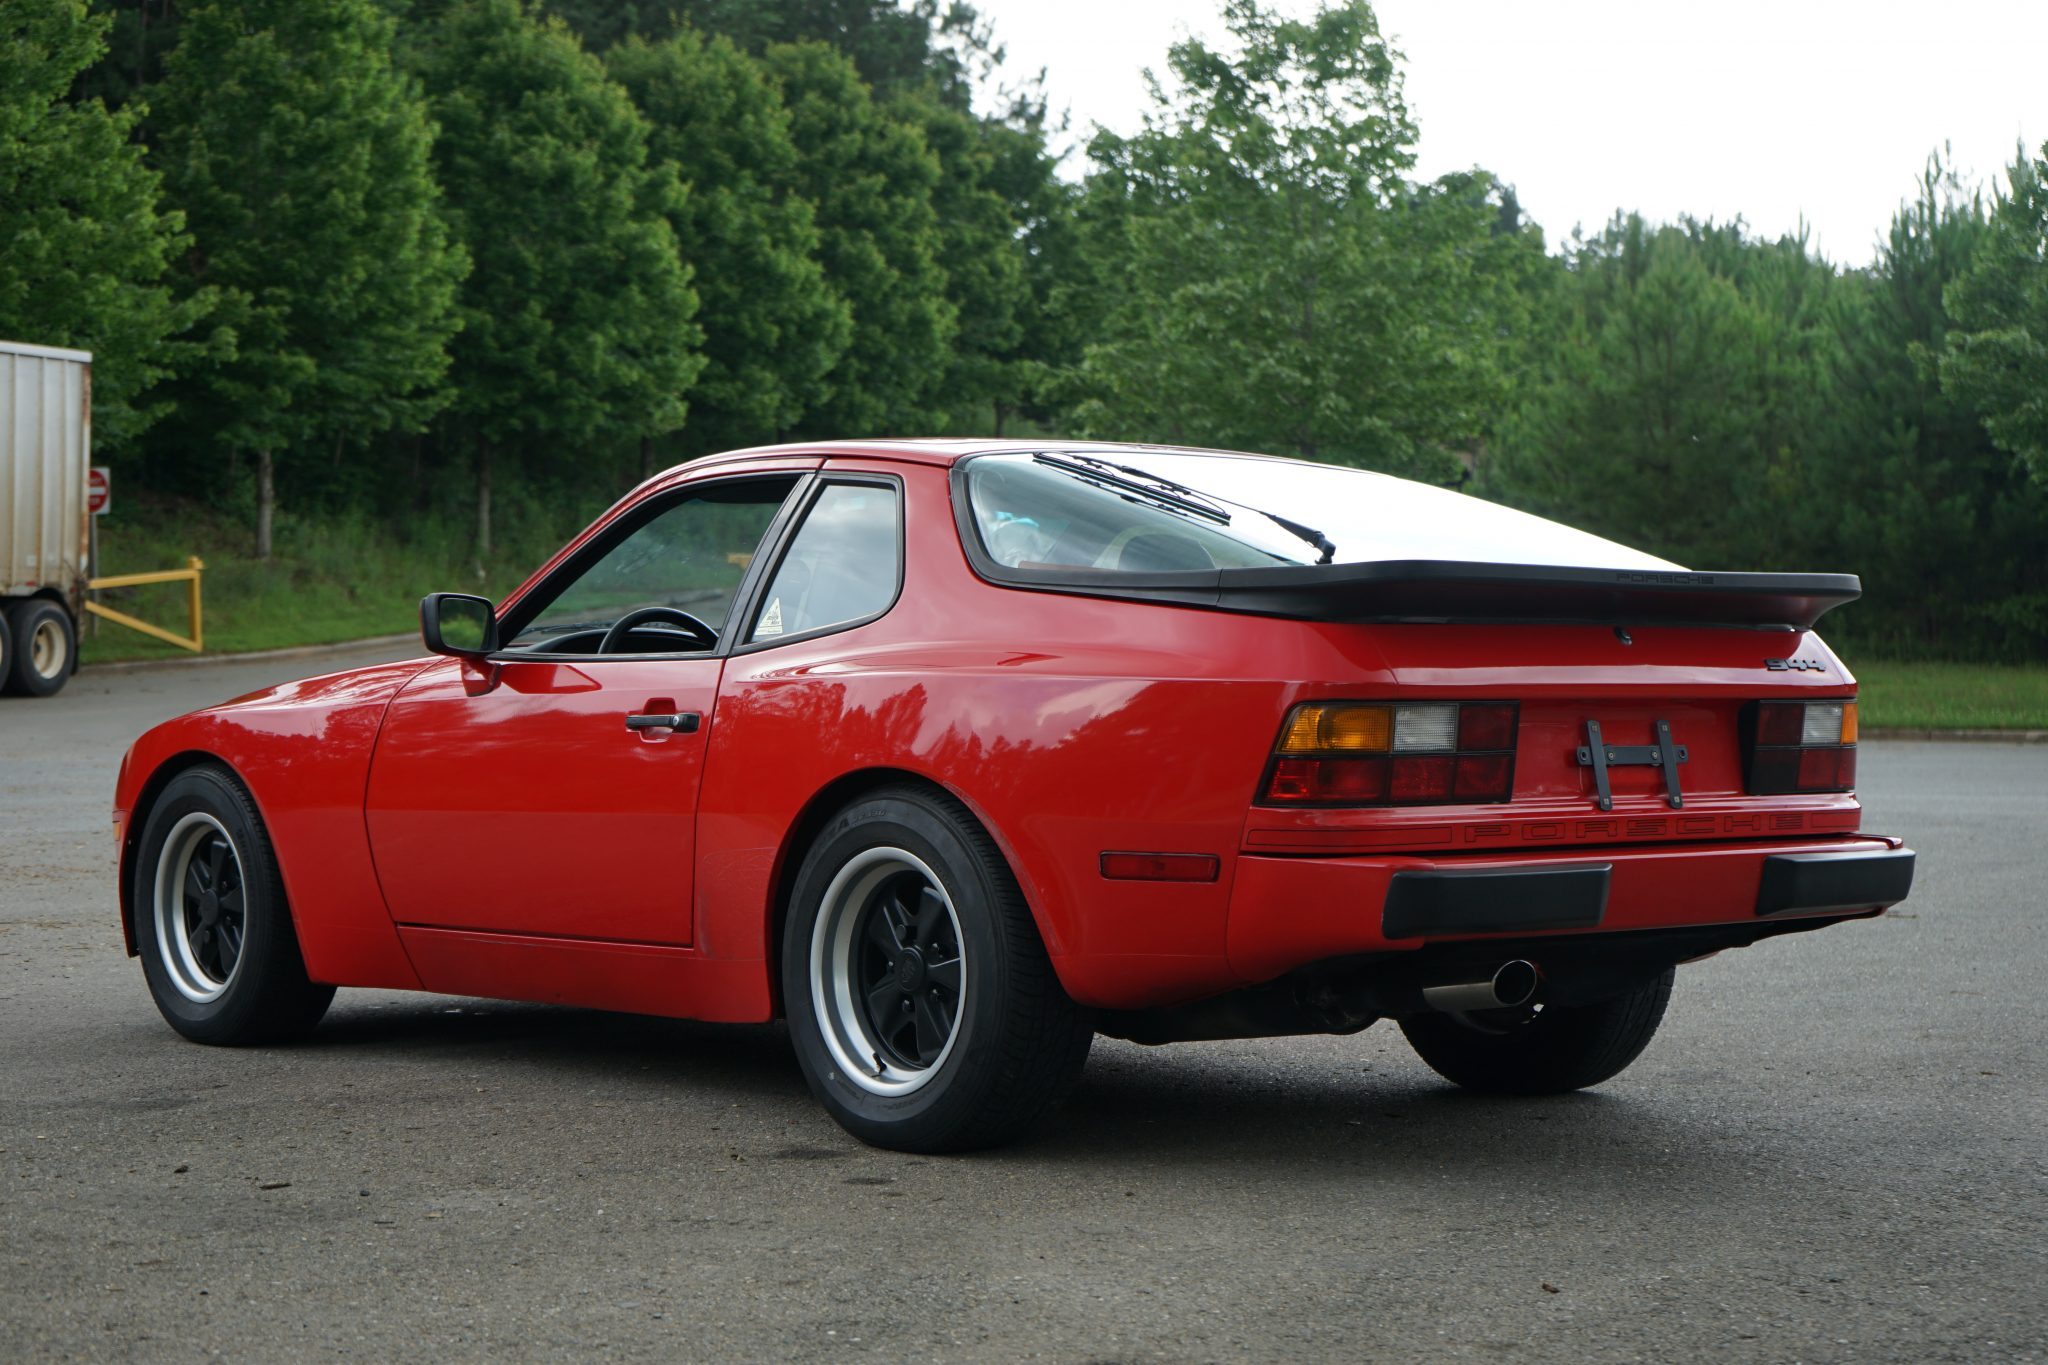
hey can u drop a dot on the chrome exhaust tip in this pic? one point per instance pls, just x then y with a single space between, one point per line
1513 983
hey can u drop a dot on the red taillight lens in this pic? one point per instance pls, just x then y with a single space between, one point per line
1482 777
1486 727
1422 779
1779 722
1381 753
1323 781
1799 746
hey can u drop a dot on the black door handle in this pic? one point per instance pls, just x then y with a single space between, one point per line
678 722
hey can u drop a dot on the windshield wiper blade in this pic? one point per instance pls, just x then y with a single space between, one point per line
1159 492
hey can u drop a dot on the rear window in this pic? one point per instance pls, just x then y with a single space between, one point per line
1123 511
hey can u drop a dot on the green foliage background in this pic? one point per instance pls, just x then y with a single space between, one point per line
449 274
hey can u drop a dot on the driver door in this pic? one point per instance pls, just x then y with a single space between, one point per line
552 790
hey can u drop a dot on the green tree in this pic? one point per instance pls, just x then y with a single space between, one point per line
300 156
981 251
142 32
1947 530
1279 284
773 327
1673 407
871 179
1997 356
577 319
84 244
916 45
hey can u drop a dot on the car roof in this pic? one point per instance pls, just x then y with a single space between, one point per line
944 450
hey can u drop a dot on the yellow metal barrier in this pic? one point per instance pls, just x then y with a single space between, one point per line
189 574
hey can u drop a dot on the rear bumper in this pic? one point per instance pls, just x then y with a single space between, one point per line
1287 912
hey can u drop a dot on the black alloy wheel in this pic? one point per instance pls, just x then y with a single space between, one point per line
908 973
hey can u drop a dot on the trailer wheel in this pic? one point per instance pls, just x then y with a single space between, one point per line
6 650
45 647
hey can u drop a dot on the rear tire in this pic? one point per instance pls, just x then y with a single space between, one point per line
215 935
1555 1049
45 647
6 653
922 1005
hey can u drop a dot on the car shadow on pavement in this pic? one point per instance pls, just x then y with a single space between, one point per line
747 1060
1271 1106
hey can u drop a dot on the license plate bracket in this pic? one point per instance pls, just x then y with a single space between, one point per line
1599 755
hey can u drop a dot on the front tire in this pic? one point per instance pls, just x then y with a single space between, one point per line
45 647
215 935
1546 1051
924 1011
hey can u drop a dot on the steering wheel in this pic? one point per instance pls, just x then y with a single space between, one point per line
625 625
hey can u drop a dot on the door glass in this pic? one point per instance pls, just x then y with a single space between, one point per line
682 565
842 566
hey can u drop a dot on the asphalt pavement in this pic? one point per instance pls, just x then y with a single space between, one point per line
1836 1149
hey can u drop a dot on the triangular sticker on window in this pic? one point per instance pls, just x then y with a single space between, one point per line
771 619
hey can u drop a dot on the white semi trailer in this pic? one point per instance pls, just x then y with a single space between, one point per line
45 451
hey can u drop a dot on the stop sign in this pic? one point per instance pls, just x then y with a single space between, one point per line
99 490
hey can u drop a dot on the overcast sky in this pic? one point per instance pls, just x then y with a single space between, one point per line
1800 109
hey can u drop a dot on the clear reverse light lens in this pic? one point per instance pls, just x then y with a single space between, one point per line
1823 723
1425 729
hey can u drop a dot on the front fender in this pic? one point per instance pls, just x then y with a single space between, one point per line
302 752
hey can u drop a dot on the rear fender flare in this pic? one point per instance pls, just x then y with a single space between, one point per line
835 796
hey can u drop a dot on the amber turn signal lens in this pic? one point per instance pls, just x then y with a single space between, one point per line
1849 723
1338 728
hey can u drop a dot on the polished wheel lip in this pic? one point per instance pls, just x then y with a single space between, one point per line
835 992
175 917
49 650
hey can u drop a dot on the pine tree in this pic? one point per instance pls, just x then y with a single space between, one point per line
871 179
578 328
1998 354
773 327
981 251
300 155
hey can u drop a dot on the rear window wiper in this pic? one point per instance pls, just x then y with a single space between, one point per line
1293 528
1118 479
1300 532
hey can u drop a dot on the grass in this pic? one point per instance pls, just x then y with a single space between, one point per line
328 581
349 579
1945 696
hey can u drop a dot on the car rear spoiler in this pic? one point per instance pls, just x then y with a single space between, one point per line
1434 590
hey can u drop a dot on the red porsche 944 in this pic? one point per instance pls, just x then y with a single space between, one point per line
955 754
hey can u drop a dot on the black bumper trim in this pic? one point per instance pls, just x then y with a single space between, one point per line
1812 883
1486 900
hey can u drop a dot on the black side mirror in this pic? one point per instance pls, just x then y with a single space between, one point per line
457 624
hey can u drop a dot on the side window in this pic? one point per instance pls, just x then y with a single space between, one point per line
680 569
843 564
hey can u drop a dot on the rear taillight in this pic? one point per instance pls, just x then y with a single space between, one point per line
1383 754
1801 746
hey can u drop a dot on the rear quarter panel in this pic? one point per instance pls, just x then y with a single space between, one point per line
1070 726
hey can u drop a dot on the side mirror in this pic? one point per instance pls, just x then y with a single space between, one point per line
457 624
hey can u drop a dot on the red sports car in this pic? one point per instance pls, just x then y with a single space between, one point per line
956 754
